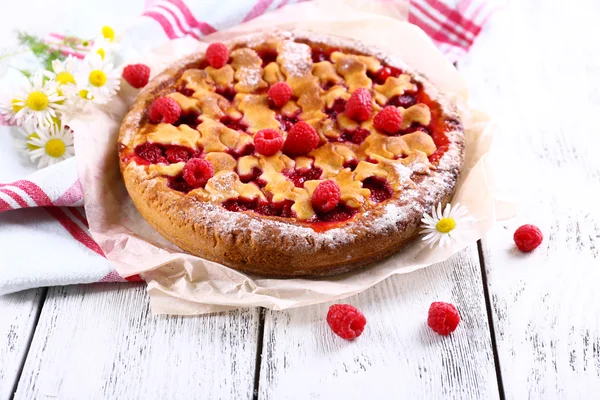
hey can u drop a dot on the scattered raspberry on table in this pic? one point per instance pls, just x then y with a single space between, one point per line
346 321
528 237
443 318
136 75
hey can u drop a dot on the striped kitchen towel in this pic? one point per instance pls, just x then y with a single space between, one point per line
48 243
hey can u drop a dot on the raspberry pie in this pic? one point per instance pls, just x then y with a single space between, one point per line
290 154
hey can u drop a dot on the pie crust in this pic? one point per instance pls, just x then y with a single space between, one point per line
387 181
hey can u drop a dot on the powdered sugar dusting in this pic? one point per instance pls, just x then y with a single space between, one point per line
249 77
295 58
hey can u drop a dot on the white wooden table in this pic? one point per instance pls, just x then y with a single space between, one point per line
531 323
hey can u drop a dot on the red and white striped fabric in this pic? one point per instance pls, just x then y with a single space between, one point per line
51 245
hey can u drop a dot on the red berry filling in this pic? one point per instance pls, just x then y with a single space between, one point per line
320 54
177 154
286 122
235 124
339 214
217 55
197 172
151 152
190 120
380 189
299 177
405 101
227 92
179 184
280 209
346 321
338 107
256 172
357 136
268 142
528 238
443 318
267 56
381 76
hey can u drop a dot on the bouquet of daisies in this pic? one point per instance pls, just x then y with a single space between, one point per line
74 74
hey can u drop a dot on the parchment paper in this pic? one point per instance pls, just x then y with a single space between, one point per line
179 283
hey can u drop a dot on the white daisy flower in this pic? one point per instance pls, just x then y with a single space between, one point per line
50 146
98 81
63 72
9 110
445 227
37 103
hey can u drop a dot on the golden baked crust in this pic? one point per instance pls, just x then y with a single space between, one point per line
276 246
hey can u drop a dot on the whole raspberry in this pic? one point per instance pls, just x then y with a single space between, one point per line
177 154
136 75
388 120
301 139
268 142
443 317
150 152
360 105
164 109
197 172
528 237
346 321
326 196
217 55
280 93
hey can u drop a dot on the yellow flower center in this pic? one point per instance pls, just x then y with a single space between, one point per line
445 225
85 94
55 148
85 43
31 137
108 33
15 107
97 78
64 77
37 101
101 53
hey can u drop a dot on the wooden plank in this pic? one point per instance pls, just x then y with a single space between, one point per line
538 69
101 341
397 356
18 315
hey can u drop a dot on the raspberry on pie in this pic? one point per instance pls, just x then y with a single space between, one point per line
290 154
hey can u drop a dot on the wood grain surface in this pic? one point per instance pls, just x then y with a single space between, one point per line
18 316
397 353
538 69
101 342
